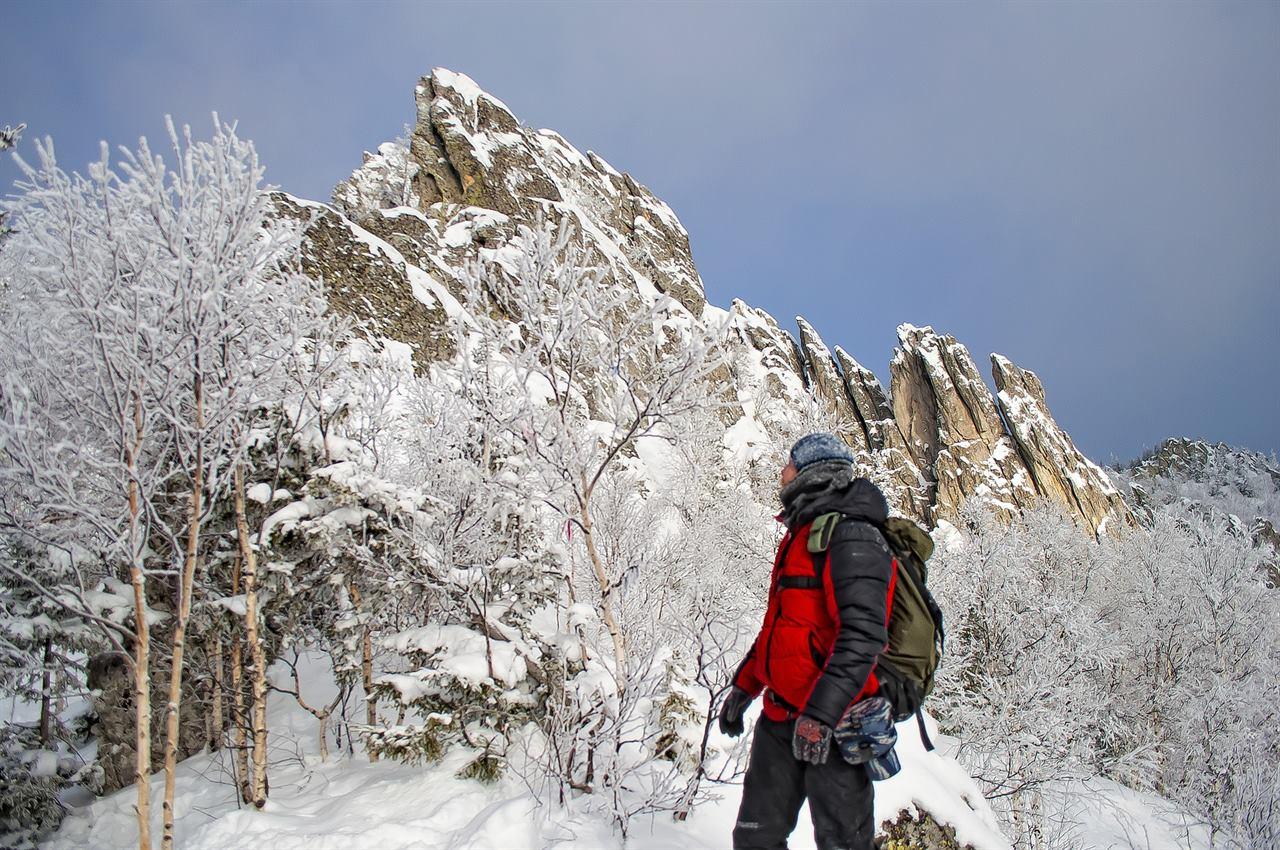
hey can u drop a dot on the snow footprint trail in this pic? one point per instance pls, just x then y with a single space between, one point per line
506 823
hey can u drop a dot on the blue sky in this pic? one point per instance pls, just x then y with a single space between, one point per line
1090 189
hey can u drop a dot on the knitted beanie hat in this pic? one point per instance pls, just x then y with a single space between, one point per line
815 448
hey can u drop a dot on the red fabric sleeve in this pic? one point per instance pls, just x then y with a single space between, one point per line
746 677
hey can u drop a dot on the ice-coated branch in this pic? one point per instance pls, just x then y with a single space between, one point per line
9 136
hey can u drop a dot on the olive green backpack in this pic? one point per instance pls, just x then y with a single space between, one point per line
916 637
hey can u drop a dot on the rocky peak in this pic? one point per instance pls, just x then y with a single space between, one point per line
1058 470
467 149
853 394
870 403
767 373
826 382
1199 460
416 212
951 426
1214 476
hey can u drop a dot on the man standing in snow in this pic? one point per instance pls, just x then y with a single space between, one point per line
814 657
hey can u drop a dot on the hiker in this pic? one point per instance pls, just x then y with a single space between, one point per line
824 627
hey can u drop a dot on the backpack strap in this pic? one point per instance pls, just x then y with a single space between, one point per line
924 733
813 582
821 530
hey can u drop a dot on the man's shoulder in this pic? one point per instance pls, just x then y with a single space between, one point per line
870 498
857 550
853 528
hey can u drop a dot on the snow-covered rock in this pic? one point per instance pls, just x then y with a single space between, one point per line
405 226
468 149
952 428
1058 470
1209 476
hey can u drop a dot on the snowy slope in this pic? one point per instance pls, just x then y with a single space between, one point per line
348 803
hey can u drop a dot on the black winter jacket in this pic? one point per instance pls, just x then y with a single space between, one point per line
857 581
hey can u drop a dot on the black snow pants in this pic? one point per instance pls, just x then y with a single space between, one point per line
776 785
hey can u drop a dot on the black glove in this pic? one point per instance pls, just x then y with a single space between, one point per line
811 741
732 710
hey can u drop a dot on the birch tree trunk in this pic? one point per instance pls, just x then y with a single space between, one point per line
46 694
239 719
217 713
258 701
142 642
606 593
185 591
366 667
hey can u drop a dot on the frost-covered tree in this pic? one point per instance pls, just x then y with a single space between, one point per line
1202 680
1150 658
1028 655
543 554
464 662
578 379
596 370
343 553
87 447
156 308
41 664
704 596
8 138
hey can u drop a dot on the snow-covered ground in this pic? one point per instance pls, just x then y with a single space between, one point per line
1104 815
348 803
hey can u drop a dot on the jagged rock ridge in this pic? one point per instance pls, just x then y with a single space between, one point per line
1238 483
401 229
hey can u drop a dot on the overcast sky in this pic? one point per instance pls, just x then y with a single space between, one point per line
1090 189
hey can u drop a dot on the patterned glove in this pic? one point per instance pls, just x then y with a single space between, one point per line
812 740
731 712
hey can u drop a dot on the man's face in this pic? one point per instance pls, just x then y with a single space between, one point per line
788 474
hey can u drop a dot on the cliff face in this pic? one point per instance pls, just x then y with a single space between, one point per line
1058 470
468 152
951 426
400 230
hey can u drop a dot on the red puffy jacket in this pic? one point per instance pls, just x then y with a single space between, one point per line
825 623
